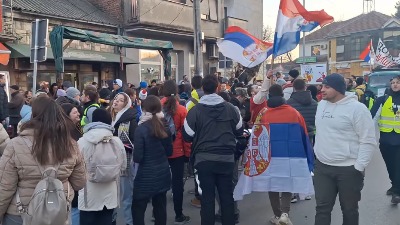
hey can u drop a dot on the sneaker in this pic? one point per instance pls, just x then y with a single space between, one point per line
182 220
294 199
308 198
284 220
274 220
390 191
196 203
395 199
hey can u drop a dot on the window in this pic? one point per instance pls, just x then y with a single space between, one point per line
174 66
191 64
150 65
225 61
356 47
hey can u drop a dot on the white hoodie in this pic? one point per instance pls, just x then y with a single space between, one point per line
345 133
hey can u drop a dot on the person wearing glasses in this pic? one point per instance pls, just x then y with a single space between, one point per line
386 111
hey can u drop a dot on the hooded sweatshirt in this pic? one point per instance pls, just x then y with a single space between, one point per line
345 134
212 126
307 107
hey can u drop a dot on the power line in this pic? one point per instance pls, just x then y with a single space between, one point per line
151 9
178 14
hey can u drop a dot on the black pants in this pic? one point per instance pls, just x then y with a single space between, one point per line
216 175
103 217
331 180
391 156
159 202
177 168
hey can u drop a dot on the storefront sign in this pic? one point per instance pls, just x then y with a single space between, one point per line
311 59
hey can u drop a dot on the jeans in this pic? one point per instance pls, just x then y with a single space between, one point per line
280 204
126 195
391 156
75 213
331 180
216 175
12 220
159 202
234 181
177 168
103 217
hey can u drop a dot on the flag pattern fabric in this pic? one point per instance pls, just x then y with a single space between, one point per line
383 56
293 18
279 157
366 54
244 48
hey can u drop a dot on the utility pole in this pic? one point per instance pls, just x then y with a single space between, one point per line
198 54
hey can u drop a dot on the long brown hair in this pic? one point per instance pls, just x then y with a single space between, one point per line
152 105
112 110
170 91
52 132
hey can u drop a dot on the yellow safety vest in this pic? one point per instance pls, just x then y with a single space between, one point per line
370 103
84 117
388 120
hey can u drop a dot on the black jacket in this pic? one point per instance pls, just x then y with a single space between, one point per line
303 102
153 175
128 116
391 138
212 126
244 108
3 103
14 107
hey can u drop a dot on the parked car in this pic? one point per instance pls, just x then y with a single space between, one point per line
379 80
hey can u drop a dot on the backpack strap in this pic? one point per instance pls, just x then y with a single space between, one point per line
193 100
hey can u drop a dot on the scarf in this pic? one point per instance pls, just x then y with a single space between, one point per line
146 116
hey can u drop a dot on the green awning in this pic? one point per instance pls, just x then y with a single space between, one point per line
58 34
24 51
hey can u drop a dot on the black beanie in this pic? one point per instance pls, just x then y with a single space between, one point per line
294 73
276 91
101 115
336 81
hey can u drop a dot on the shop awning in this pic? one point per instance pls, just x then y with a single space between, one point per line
59 33
4 54
24 51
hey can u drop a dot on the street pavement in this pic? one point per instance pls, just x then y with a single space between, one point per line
375 207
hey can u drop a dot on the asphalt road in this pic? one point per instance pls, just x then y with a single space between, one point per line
375 207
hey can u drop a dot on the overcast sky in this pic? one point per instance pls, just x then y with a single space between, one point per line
339 9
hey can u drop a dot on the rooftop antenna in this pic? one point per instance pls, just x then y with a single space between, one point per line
368 6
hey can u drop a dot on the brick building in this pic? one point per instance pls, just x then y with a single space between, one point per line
84 62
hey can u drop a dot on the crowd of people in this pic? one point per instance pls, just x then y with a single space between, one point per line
118 146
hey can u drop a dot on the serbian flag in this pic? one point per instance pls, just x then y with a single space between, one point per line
279 157
366 54
293 18
244 48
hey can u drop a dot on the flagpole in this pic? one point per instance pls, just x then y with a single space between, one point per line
304 39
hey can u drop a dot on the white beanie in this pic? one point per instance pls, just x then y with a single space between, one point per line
118 82
143 94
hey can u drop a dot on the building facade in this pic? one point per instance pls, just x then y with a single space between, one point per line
85 62
342 42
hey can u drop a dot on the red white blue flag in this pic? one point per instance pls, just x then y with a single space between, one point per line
244 48
293 18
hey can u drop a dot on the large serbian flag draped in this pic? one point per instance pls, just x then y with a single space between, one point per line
244 48
293 18
280 157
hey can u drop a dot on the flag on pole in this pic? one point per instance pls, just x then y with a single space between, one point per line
293 18
242 47
366 54
383 57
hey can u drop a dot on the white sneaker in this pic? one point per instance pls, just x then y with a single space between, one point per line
274 220
284 220
294 199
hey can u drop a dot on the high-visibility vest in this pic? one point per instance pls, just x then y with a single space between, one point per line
370 103
84 119
388 120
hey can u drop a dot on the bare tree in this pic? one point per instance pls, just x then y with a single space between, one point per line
268 34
